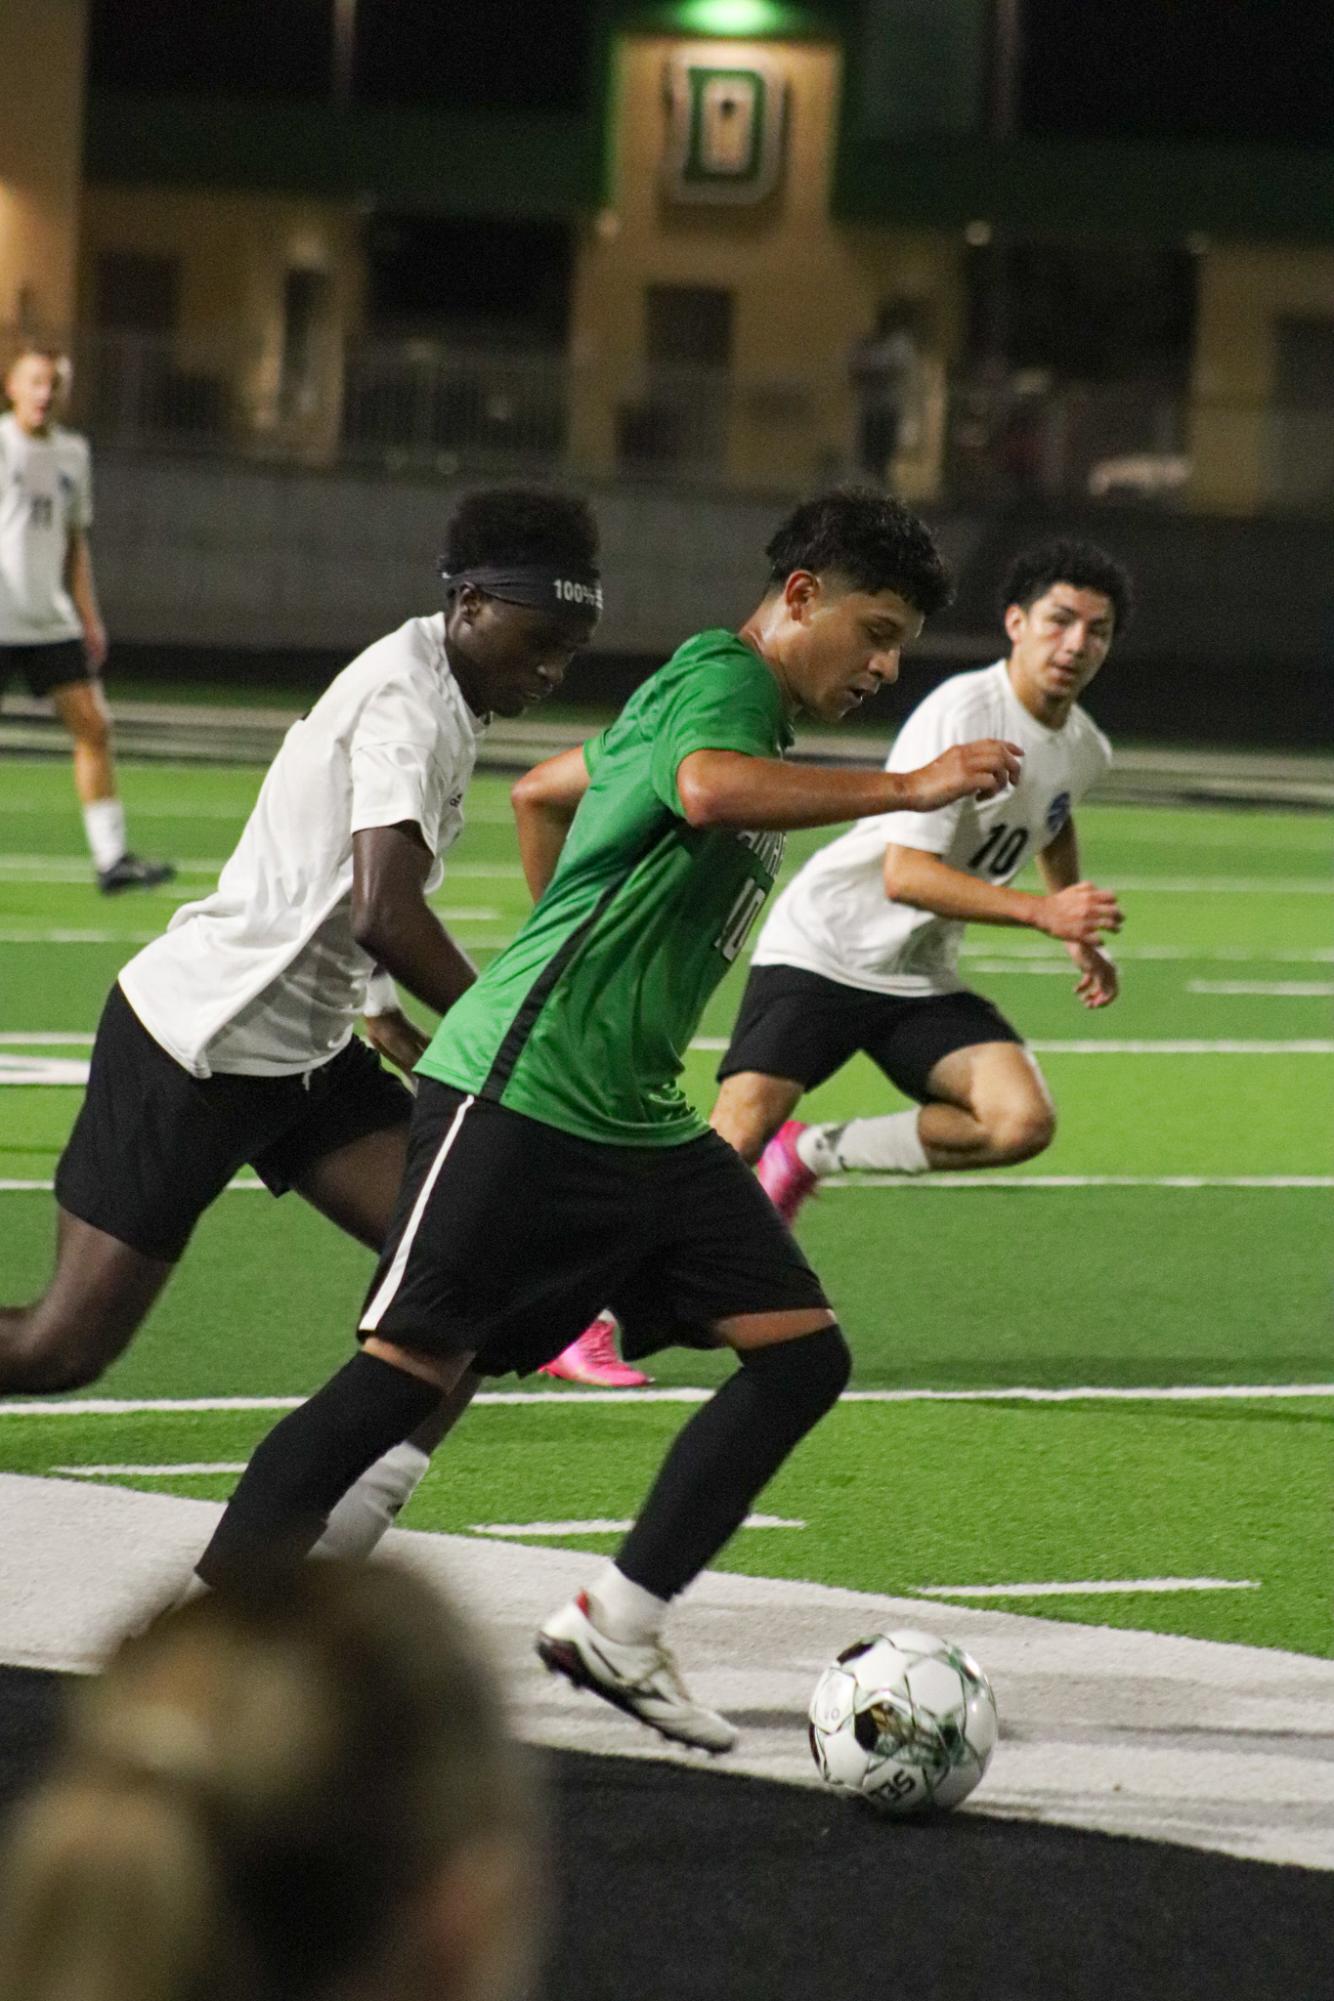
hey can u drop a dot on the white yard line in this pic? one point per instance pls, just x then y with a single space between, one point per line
979 1183
521 1530
1231 955
1137 1733
572 1399
1103 1588
1186 1046
183 1468
1278 989
1009 1184
26 937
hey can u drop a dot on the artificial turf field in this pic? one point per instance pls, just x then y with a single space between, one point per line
1176 1238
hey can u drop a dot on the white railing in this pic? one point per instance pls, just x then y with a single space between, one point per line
454 409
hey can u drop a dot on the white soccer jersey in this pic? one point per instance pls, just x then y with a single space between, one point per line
46 489
834 917
264 976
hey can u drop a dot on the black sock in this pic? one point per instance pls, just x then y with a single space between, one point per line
727 1453
308 1462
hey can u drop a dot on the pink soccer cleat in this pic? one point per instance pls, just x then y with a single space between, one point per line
593 1361
783 1174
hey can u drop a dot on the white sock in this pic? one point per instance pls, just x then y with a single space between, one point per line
890 1145
104 824
625 1611
368 1510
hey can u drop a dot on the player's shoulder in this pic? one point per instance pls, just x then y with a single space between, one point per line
1086 739
399 680
973 701
716 651
71 447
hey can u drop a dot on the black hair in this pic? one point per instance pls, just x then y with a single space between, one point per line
868 537
1066 560
521 524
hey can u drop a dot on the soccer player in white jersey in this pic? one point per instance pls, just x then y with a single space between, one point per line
861 950
229 1040
51 631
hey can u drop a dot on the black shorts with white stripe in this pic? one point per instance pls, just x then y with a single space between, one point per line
510 1235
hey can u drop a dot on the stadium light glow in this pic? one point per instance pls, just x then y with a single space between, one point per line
732 17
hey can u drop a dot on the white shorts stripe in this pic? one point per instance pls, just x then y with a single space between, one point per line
393 1278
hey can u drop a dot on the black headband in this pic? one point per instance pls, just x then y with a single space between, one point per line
535 584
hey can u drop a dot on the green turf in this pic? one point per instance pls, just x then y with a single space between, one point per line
983 1287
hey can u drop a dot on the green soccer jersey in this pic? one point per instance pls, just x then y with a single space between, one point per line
584 1020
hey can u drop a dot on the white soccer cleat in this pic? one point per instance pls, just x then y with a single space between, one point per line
642 1680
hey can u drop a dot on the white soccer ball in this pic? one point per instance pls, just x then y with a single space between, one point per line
904 1720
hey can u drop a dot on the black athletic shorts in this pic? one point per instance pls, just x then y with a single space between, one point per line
52 664
800 1025
510 1236
153 1146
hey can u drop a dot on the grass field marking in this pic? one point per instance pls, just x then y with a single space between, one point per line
521 1530
573 1399
27 1038
43 1070
1223 955
1192 1046
1226 885
1088 1588
999 1185
1277 989
13 937
183 1468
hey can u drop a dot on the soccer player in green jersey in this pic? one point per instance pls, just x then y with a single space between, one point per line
554 1162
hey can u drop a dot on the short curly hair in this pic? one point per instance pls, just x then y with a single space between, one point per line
1066 560
865 535
521 524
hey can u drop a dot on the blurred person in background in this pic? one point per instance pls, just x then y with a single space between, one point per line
51 632
299 1789
884 370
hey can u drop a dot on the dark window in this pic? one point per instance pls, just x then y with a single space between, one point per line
212 48
518 55
1117 313
689 325
134 294
484 278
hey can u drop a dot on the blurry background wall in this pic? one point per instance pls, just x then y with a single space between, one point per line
42 66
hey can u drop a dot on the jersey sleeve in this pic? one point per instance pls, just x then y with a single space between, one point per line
931 729
711 709
398 771
594 750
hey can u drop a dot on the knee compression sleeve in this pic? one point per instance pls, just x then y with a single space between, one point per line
728 1453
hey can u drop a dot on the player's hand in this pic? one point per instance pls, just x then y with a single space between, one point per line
1079 915
979 770
1099 982
397 1039
95 644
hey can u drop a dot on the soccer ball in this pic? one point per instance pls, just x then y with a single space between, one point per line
904 1720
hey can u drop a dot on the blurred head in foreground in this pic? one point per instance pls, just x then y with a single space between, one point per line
301 1787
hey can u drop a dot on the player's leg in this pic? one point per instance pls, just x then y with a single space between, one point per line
734 1269
356 1186
983 1100
139 1169
794 1030
98 1296
82 708
453 1244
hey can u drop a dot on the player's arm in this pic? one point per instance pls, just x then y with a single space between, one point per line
545 801
727 788
79 582
1058 865
392 921
1077 913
